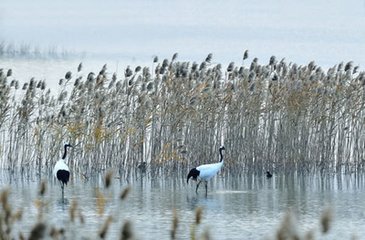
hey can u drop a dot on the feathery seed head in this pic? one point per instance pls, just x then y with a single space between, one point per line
68 75
9 73
355 69
91 76
272 60
340 67
39 84
104 68
138 68
326 219
198 215
253 66
348 66
150 86
165 63
38 231
103 231
146 73
128 72
208 59
288 229
114 77
126 233
202 66
251 76
31 83
194 67
79 68
245 55
230 67
77 82
162 70
174 57
124 193
118 85
25 86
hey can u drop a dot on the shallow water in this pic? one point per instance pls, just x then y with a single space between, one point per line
246 208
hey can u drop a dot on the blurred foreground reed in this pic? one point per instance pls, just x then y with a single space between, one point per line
11 221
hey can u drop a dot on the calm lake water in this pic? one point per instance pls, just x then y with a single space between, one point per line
245 208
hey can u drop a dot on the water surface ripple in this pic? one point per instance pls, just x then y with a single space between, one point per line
249 207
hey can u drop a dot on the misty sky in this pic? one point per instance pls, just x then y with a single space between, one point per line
301 31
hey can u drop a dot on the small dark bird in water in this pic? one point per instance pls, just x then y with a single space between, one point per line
268 174
142 166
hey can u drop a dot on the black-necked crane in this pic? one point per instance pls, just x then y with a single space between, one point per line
206 172
61 170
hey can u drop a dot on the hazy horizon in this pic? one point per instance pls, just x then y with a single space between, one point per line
326 32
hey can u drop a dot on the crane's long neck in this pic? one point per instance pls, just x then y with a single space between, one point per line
65 152
220 152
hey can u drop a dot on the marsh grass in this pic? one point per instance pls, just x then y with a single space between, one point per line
278 116
24 50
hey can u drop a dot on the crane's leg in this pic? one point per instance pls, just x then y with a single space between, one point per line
206 188
197 186
63 195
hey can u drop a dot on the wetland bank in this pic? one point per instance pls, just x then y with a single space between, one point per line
304 123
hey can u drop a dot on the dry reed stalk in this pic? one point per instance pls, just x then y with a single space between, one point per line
175 222
288 228
103 231
326 219
126 231
278 116
124 193
38 231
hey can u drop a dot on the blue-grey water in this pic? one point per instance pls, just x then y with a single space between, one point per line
251 207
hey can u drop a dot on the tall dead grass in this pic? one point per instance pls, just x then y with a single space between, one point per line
275 116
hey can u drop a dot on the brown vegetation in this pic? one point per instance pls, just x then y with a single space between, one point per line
276 116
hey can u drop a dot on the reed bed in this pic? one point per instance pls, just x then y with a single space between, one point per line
24 50
274 116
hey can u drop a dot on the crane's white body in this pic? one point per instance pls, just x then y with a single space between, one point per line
207 171
60 165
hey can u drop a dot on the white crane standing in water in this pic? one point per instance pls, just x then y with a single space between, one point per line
61 170
206 171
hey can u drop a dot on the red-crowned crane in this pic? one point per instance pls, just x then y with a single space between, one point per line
61 170
206 172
